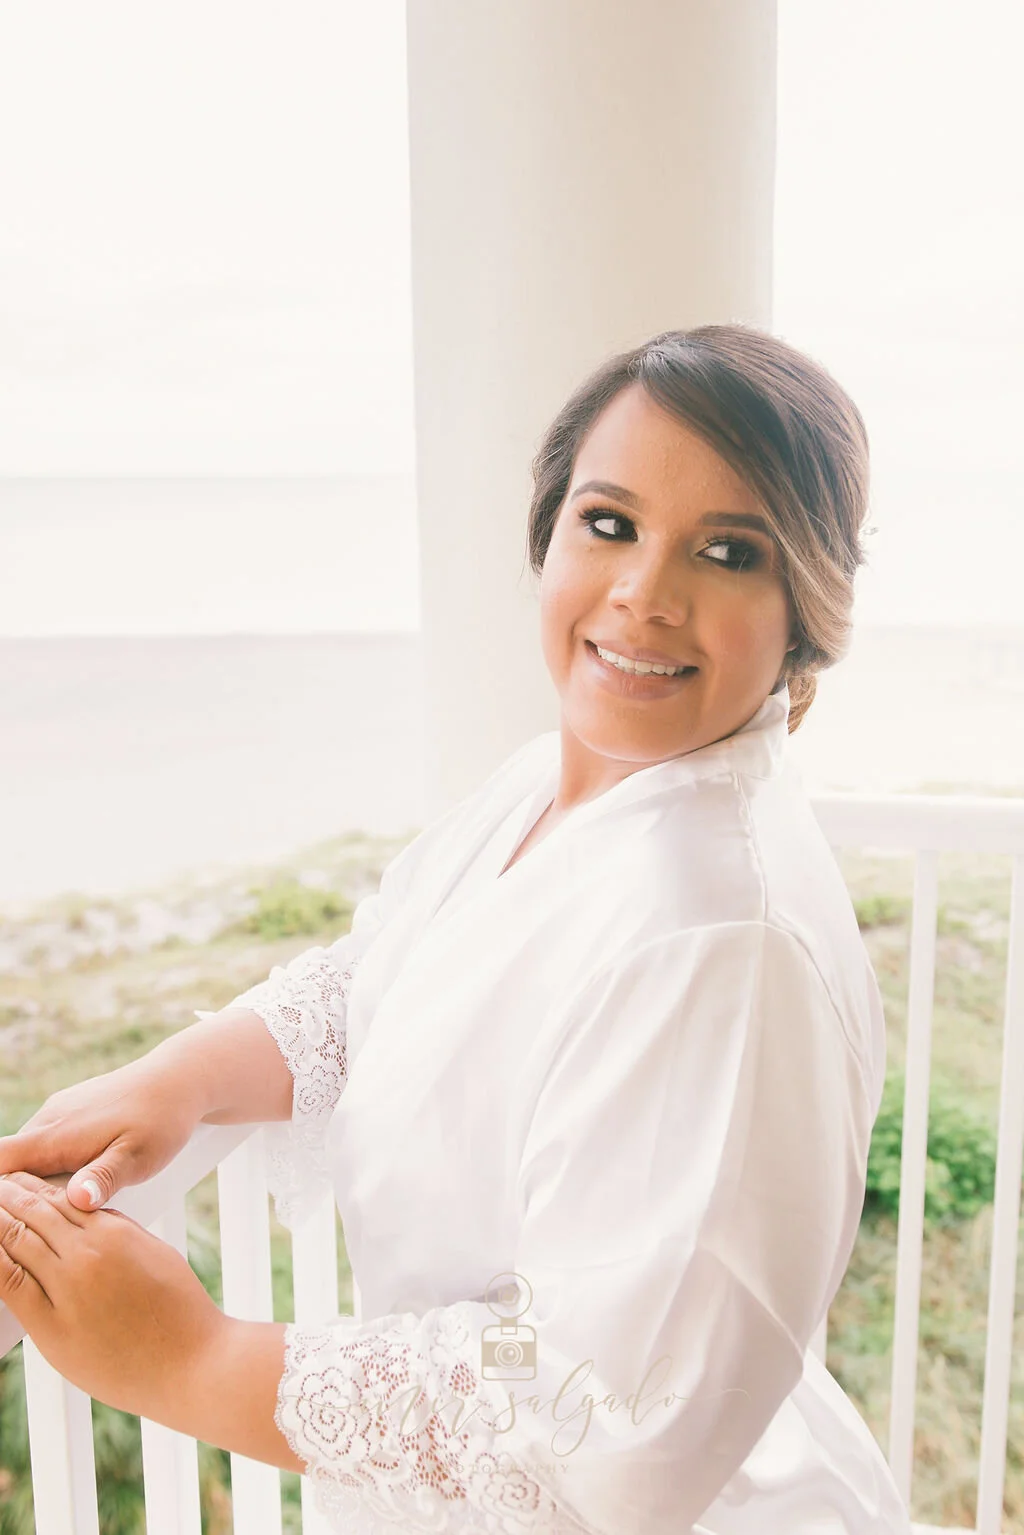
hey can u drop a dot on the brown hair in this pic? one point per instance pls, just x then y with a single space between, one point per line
785 426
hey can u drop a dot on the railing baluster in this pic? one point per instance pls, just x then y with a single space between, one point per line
245 1265
61 1448
315 1278
910 1229
1005 1227
170 1461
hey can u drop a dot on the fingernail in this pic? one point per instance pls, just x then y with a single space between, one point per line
92 1188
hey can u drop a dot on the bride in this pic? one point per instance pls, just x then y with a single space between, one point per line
593 1075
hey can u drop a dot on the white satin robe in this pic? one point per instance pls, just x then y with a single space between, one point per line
638 1071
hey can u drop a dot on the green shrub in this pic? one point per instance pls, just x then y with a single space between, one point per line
961 1163
288 908
881 910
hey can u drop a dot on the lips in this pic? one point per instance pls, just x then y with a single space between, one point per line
638 686
633 653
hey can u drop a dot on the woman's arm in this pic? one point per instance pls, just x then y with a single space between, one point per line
230 1067
124 1126
233 1394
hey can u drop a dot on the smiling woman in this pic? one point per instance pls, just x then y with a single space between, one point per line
695 433
593 1076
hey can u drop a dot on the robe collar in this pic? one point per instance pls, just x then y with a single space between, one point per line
757 749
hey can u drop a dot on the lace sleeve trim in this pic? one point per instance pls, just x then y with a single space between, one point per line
353 1404
304 1006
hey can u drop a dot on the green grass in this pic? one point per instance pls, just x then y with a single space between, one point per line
58 1026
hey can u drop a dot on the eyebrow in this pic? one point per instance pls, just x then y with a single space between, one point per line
630 499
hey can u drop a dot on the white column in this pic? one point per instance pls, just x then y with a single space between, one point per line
583 174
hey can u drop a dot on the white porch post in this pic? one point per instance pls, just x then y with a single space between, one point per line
583 174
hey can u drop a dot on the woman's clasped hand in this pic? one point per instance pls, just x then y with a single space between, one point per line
108 1131
110 1306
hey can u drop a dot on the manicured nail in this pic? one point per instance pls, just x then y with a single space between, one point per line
92 1188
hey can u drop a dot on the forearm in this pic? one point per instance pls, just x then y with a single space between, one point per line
232 1067
230 1395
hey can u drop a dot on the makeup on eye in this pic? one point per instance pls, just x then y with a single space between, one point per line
750 554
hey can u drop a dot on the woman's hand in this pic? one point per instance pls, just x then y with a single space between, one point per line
122 1316
112 1308
111 1130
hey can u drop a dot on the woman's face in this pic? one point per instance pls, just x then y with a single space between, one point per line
654 558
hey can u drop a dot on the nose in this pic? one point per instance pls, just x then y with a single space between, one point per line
650 586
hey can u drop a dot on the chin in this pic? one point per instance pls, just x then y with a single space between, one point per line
606 736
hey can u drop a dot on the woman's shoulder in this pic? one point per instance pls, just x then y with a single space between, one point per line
695 988
728 855
735 849
805 890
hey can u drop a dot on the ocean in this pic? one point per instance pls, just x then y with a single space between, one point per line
127 761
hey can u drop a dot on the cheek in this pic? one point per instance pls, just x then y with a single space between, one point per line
552 622
748 628
564 597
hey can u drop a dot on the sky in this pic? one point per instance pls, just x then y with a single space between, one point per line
204 259
204 271
899 249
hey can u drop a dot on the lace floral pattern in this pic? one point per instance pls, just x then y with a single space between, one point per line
304 1005
352 1404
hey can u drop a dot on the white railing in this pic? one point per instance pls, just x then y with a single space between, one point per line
60 1428
59 1414
927 825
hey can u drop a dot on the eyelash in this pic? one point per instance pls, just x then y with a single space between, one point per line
599 514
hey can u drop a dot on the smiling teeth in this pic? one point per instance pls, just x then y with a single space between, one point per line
640 668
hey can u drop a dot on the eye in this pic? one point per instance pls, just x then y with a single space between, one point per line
602 514
747 556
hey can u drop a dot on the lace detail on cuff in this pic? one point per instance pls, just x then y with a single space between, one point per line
353 1404
304 1006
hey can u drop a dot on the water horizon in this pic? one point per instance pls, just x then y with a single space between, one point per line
130 760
